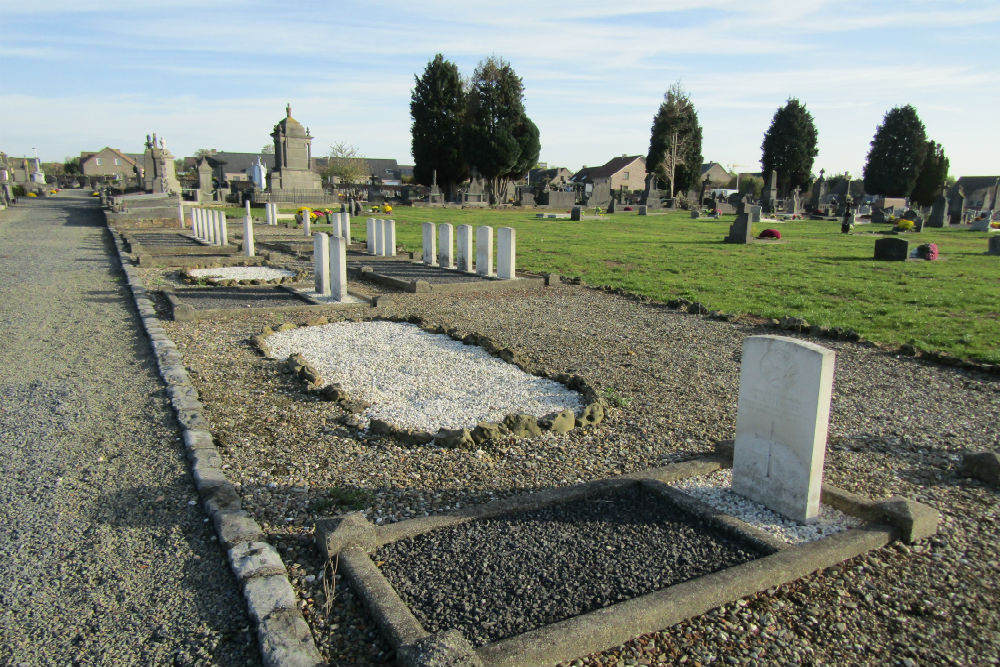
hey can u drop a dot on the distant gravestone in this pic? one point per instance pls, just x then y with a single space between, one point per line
754 213
695 214
506 253
818 191
781 424
892 250
994 247
981 224
741 229
771 203
643 209
446 243
651 195
484 250
464 248
576 213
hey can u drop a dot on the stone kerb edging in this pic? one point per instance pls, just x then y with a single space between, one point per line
353 540
516 424
231 282
283 636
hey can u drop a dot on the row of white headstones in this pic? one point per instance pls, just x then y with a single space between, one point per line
451 248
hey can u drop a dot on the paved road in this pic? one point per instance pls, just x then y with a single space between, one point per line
106 557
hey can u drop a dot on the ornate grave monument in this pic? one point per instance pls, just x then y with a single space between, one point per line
292 178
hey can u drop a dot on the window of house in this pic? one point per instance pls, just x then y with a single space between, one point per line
97 161
117 162
626 175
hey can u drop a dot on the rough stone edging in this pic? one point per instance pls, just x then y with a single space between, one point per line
283 636
519 425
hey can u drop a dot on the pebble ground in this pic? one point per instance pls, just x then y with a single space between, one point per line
107 557
898 426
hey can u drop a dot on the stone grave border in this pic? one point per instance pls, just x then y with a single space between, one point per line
283 636
186 276
477 283
351 540
183 312
518 425
198 248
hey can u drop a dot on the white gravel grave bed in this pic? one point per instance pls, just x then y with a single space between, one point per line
715 490
242 273
418 380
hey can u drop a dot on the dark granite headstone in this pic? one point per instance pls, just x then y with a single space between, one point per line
818 191
892 250
878 214
695 213
994 247
938 212
576 213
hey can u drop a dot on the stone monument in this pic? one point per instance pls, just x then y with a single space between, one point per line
771 201
939 212
818 191
651 195
158 168
292 178
781 424
741 231
434 197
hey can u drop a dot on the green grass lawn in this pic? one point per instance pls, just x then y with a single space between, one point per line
817 273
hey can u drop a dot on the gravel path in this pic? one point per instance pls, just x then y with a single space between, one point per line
106 554
898 426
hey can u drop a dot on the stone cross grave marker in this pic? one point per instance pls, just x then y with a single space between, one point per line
484 251
892 250
506 252
781 424
741 231
321 263
446 243
464 248
430 244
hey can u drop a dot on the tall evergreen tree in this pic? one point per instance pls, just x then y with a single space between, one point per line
499 139
930 180
437 106
790 146
897 153
675 142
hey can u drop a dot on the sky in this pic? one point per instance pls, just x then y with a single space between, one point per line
79 76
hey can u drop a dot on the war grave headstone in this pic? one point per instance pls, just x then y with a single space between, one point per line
463 249
506 252
389 238
370 240
380 237
429 245
249 248
321 263
783 411
345 226
892 249
446 244
781 424
484 251
338 267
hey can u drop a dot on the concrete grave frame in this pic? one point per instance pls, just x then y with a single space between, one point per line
475 283
186 276
519 425
351 540
185 312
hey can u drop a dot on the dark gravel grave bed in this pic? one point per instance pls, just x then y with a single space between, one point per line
412 271
500 577
237 297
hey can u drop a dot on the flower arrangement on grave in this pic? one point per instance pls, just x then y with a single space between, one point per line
770 234
995 224
32 194
95 193
386 208
928 251
904 225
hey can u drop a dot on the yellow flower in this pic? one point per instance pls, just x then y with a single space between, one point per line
32 194
905 224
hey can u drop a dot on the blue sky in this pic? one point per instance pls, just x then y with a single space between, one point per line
82 75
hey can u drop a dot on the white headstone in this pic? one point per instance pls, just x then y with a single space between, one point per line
223 238
430 244
321 263
371 236
781 424
484 251
211 225
180 213
338 267
248 245
506 252
272 213
196 222
247 206
463 253
446 243
334 224
389 233
345 226
380 237
306 222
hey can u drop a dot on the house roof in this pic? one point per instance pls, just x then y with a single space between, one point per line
86 155
605 171
971 184
708 165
